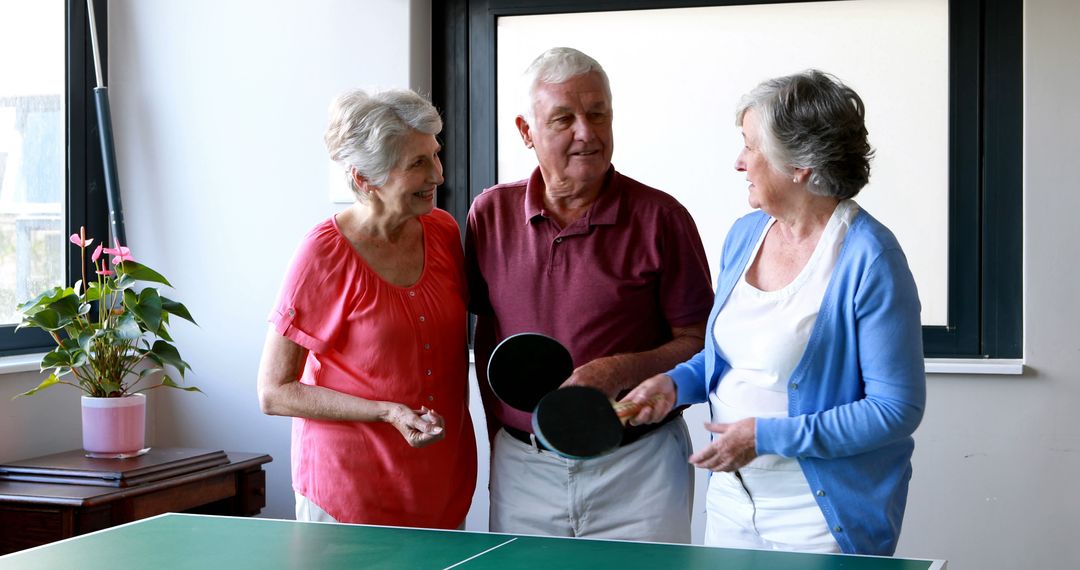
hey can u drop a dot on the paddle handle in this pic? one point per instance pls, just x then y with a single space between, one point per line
627 410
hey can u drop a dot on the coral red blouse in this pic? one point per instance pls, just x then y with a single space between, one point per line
371 339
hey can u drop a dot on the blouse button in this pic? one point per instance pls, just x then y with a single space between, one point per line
428 372
427 346
292 312
431 398
421 318
412 293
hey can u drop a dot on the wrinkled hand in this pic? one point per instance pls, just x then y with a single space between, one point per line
656 396
419 427
602 374
733 447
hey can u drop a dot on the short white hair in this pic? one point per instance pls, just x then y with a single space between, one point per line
558 65
368 130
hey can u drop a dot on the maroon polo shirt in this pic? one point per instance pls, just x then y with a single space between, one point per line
614 281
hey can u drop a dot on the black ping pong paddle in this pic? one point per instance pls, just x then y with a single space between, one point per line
527 366
579 422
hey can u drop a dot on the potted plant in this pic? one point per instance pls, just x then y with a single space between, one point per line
106 330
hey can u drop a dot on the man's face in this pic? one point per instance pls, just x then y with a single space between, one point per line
571 133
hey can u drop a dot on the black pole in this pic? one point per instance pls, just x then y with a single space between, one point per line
108 151
108 157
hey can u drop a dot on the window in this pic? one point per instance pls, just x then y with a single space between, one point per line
961 95
49 158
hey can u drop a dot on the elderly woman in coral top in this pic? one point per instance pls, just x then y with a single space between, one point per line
367 348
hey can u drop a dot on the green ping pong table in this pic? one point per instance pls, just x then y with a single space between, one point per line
204 541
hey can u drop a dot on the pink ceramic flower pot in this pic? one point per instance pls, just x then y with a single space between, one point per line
114 427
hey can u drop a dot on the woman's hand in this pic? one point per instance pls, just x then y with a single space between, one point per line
419 427
734 446
656 396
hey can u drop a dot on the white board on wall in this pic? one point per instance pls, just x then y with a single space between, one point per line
676 76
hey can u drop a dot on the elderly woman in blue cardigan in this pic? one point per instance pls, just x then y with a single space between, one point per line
813 364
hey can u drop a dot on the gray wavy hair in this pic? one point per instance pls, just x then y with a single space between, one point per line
812 120
367 131
557 65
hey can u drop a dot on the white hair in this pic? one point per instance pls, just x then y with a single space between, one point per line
558 65
367 131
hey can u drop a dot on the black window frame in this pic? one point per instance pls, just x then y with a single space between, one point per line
85 201
985 291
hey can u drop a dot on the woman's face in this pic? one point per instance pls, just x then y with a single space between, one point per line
768 187
409 189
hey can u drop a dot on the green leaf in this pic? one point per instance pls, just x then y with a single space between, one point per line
146 306
93 293
148 371
51 380
141 272
175 308
123 283
57 358
166 381
84 339
126 327
107 389
47 319
165 353
67 306
41 301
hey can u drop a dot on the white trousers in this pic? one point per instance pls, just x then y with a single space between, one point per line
308 511
642 491
766 505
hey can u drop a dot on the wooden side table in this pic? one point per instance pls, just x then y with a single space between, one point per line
59 496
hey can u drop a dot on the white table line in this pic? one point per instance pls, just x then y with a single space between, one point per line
479 554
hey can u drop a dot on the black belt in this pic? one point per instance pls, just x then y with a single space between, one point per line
630 434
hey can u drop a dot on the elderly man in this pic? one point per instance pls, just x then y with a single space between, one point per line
613 269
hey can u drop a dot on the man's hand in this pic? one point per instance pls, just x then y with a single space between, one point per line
734 446
604 374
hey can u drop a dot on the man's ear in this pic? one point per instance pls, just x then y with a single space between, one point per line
524 130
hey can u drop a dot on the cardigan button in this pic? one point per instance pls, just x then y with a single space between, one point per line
820 493
837 529
794 386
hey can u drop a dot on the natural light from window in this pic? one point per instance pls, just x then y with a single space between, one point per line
32 145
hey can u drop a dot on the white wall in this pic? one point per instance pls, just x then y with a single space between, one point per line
997 458
219 114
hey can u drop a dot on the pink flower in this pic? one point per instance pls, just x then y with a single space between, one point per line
105 272
97 253
119 254
78 240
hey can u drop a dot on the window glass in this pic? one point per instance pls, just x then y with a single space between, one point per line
677 75
32 144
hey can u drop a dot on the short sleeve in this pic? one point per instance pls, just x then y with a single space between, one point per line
479 301
311 305
685 288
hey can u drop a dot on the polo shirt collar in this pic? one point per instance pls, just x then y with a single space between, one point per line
604 211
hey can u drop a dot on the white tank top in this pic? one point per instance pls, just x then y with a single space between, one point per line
762 335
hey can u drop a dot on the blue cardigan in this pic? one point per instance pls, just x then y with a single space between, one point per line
856 395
